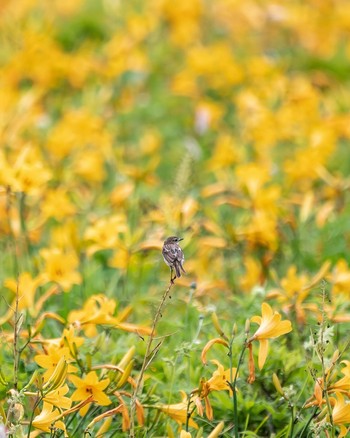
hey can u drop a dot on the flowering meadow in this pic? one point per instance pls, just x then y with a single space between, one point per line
224 122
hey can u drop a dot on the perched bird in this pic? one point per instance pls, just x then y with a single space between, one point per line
173 256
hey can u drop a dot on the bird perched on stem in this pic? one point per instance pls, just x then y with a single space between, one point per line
173 256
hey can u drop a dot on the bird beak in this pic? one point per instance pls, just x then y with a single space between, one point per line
180 238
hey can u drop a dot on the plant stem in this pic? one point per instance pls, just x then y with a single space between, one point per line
16 330
233 385
12 238
36 404
292 420
24 231
146 360
301 434
189 414
321 356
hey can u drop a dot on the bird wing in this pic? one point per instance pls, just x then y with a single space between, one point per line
169 253
172 253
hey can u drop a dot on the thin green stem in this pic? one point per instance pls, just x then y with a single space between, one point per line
12 238
149 355
321 348
24 231
16 330
292 420
233 385
189 414
36 404
301 434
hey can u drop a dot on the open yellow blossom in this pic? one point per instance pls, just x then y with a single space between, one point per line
333 386
213 434
225 154
178 411
47 418
90 385
215 64
221 378
57 204
26 286
28 174
218 382
51 359
122 193
66 235
98 310
341 278
120 258
261 230
343 384
252 177
183 20
302 168
76 129
89 165
60 267
253 275
103 233
271 327
295 288
57 398
340 413
68 339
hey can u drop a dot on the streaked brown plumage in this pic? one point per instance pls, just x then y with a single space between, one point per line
173 256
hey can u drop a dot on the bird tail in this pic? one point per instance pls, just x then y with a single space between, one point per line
177 269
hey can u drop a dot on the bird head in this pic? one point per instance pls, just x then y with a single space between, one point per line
173 239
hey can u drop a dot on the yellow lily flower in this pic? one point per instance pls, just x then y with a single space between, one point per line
90 385
221 377
339 386
271 327
98 310
213 434
218 382
57 398
178 411
60 267
48 417
51 359
340 413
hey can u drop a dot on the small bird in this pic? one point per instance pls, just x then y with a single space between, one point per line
173 256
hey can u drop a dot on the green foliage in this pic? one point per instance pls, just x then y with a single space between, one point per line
226 123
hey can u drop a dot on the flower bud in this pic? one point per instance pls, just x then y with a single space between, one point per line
124 377
58 376
277 385
217 326
217 431
234 330
127 357
247 327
